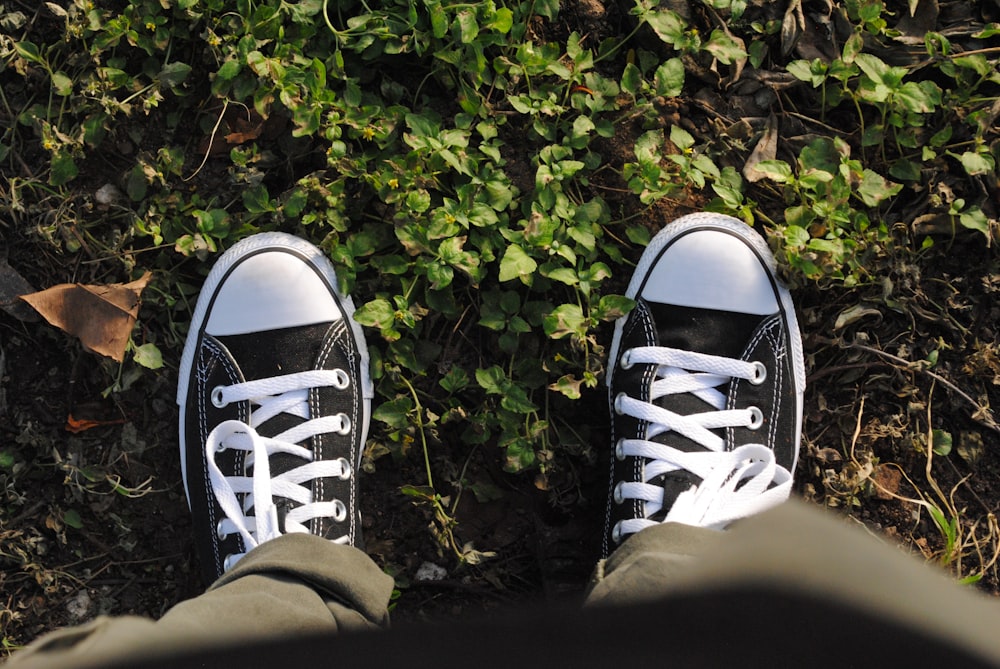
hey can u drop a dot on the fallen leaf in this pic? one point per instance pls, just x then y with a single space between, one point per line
78 425
766 149
101 317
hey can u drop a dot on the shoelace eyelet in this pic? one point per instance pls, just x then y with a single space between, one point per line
218 401
218 531
759 373
626 360
341 511
343 380
347 471
346 424
616 533
756 418
620 449
228 563
618 400
619 497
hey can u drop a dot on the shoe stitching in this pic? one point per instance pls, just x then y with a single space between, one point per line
219 357
775 335
643 319
764 331
202 371
648 377
333 338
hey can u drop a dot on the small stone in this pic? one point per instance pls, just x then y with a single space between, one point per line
429 571
79 607
107 194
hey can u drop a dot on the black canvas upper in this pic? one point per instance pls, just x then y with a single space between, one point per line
234 358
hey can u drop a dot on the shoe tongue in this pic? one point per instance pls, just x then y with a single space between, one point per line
272 353
706 331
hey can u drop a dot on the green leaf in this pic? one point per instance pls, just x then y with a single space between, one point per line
6 459
724 47
669 78
378 313
503 20
61 84
775 170
149 356
613 307
174 74
455 380
229 70
465 28
517 264
668 25
922 98
875 188
973 218
422 492
63 169
566 319
72 518
631 80
395 413
941 442
29 51
976 163
681 138
568 385
492 380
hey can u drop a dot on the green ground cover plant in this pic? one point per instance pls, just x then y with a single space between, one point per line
484 173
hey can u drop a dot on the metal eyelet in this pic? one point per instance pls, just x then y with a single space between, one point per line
759 373
345 427
620 449
228 563
625 362
618 403
618 495
340 513
343 380
218 531
218 401
346 470
616 533
756 418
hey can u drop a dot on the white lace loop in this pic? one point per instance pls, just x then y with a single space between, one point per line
282 394
734 484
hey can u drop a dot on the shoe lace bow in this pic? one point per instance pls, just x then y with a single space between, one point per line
734 483
272 396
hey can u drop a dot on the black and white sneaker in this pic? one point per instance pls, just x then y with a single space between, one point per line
275 397
705 382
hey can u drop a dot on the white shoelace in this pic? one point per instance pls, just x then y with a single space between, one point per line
280 394
735 484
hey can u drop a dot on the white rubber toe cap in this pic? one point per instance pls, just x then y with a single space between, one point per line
270 290
711 269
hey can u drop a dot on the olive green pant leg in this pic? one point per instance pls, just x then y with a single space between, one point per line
799 548
296 584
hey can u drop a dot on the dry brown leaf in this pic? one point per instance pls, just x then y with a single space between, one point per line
78 425
766 149
101 317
